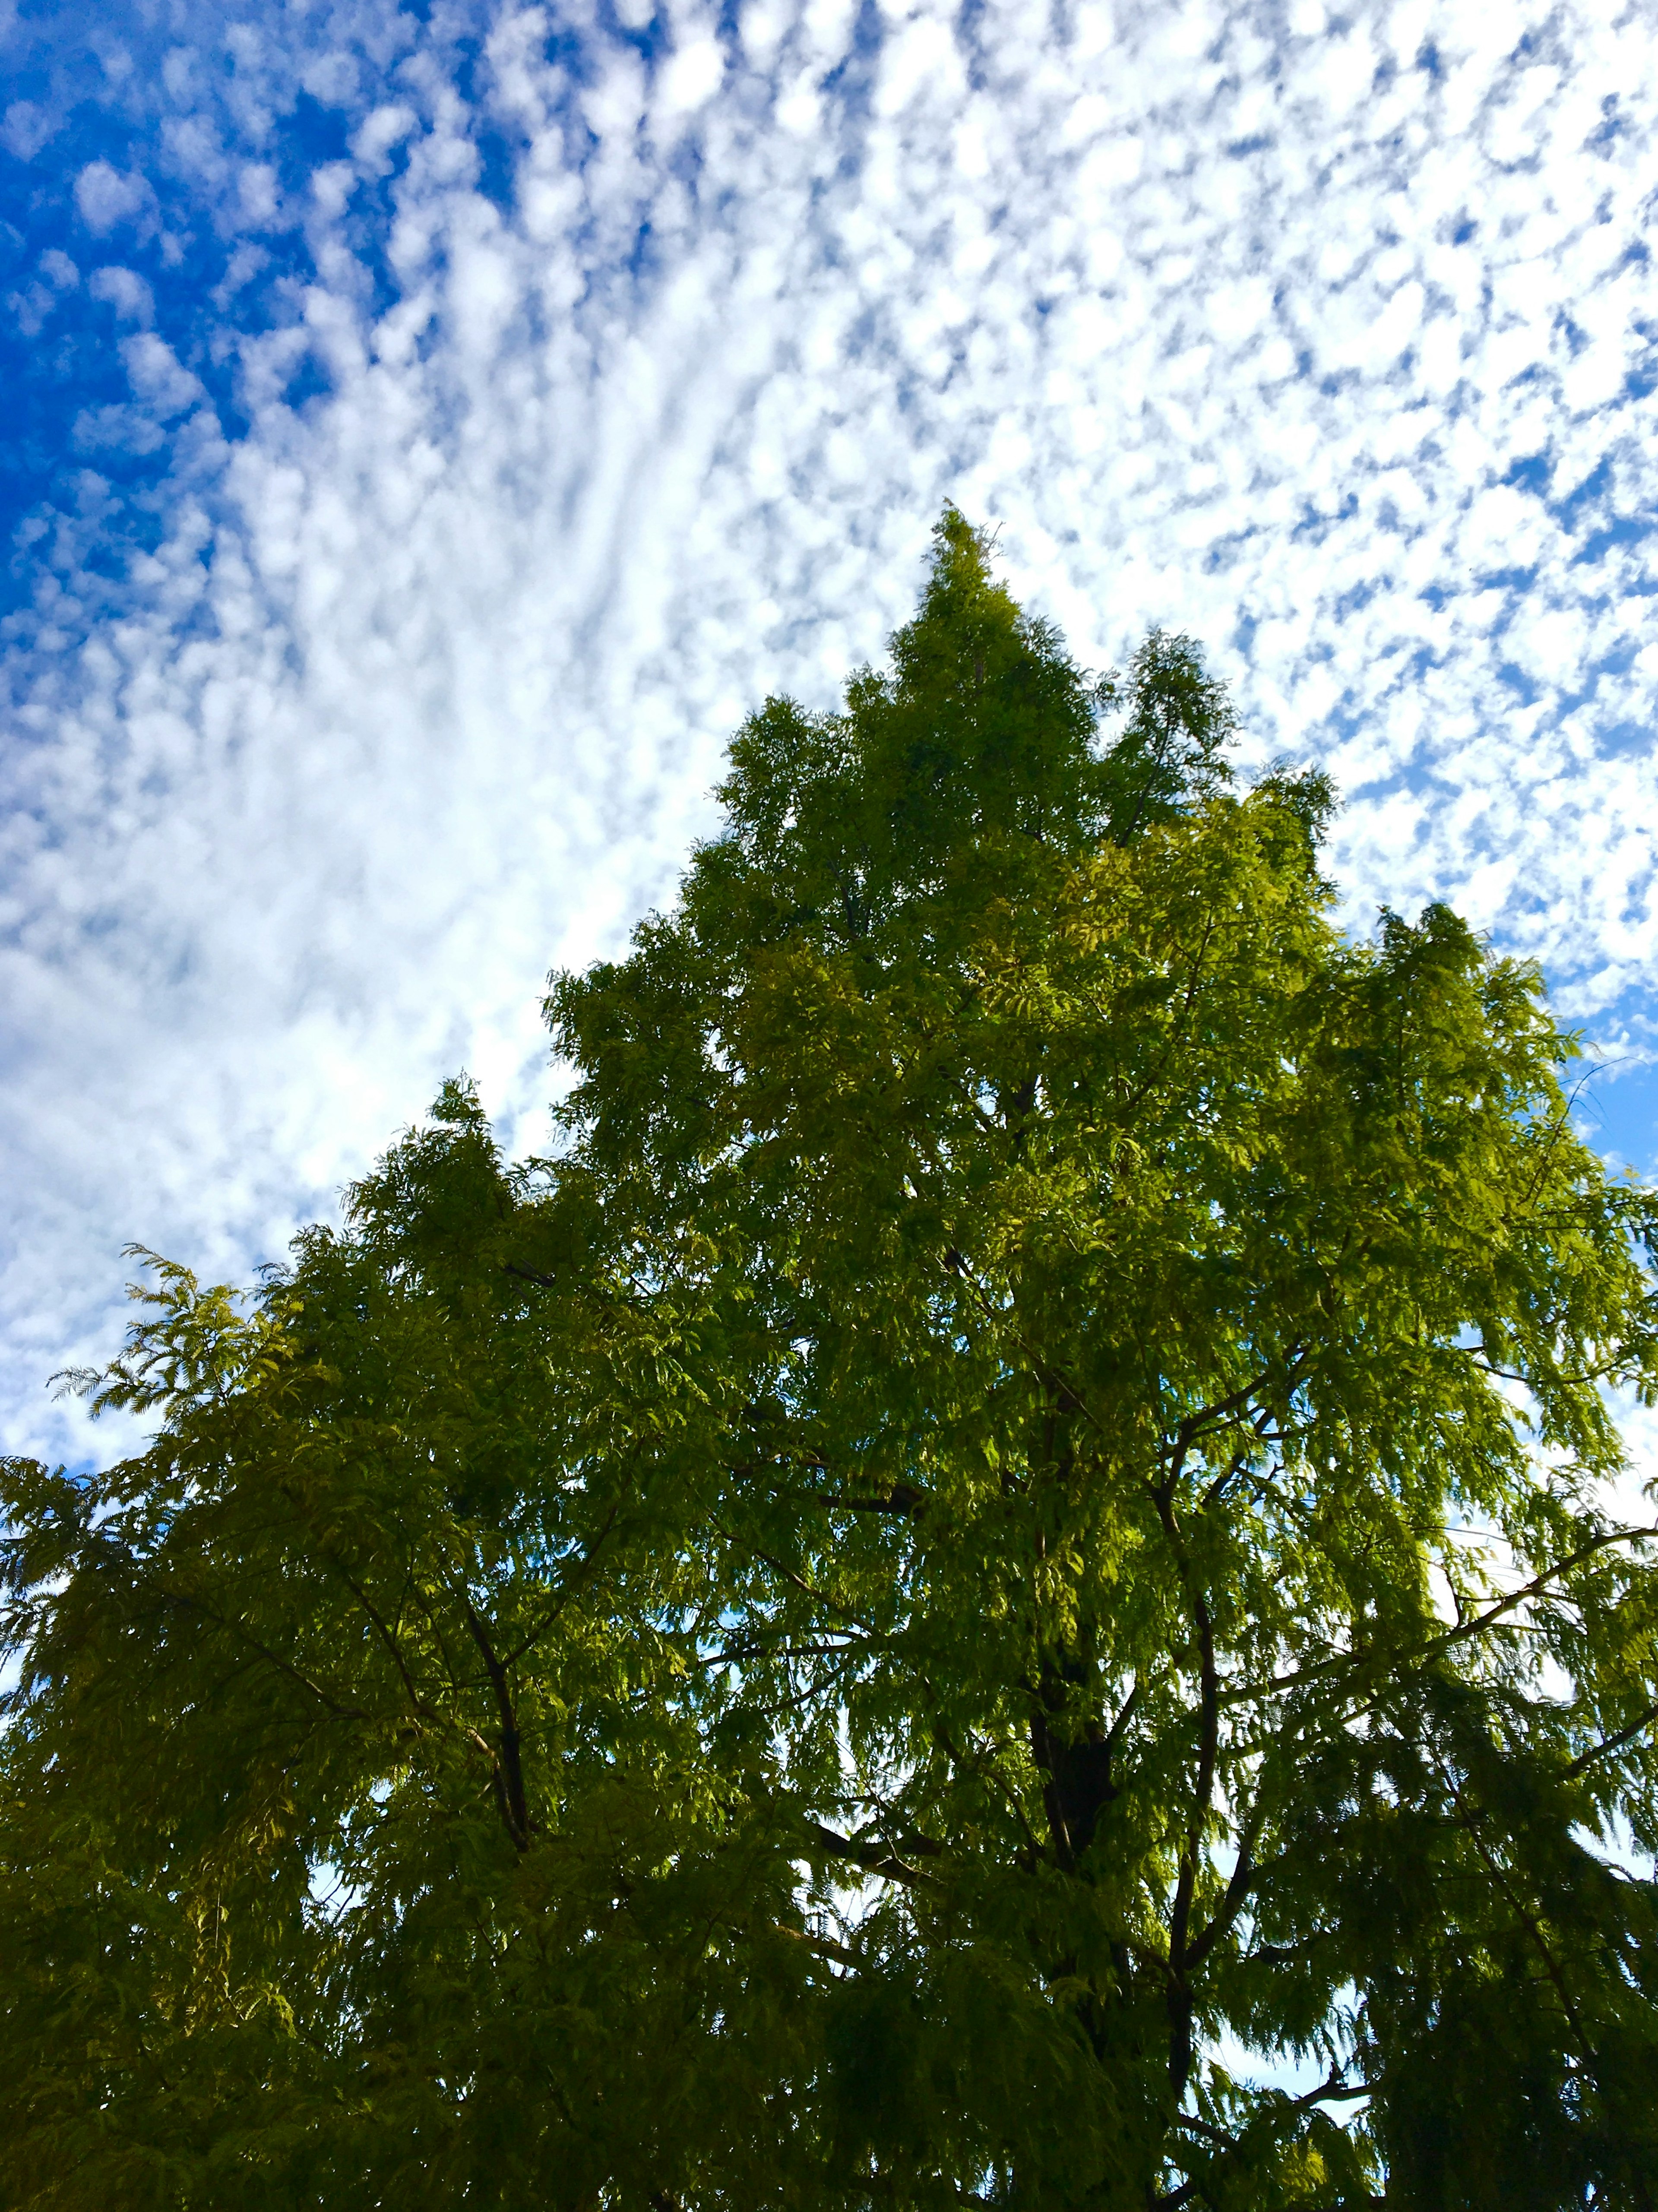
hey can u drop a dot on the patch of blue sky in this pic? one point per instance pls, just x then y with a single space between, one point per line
156 178
160 180
1614 1087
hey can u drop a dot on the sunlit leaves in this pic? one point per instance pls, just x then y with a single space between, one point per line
1023 1505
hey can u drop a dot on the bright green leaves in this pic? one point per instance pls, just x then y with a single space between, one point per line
1172 749
1179 1327
1024 1503
982 735
195 1345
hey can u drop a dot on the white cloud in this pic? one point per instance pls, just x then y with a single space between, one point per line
426 685
26 129
388 126
920 57
106 197
115 428
158 377
689 79
125 291
258 192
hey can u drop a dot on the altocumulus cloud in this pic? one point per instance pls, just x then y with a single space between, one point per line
433 429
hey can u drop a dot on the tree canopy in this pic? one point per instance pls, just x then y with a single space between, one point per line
995 1587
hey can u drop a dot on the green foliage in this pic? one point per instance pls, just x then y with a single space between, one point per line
1021 1507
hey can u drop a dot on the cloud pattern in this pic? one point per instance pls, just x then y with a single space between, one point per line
434 429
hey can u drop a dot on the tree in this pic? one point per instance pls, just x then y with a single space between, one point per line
1019 1513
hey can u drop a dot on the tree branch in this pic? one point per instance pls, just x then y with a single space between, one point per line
509 1769
1231 1903
874 1858
416 1703
238 1628
1612 1743
1277 1684
567 1591
1179 1994
825 1946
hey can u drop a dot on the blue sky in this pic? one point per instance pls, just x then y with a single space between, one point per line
428 428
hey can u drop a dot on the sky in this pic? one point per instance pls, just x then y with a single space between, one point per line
429 429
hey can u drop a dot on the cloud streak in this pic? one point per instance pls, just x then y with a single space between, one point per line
597 371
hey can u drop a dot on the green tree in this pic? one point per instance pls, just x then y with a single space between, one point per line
1018 1513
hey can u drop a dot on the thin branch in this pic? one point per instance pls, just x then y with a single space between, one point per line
789 1575
1538 1584
1521 1910
986 1765
417 1704
509 1771
733 1654
825 1946
903 1498
567 1591
871 1856
1235 1467
1277 1684
1179 1992
1612 1743
1231 1903
1193 1425
1512 1375
238 1628
1334 2089
1126 1713
903 1501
